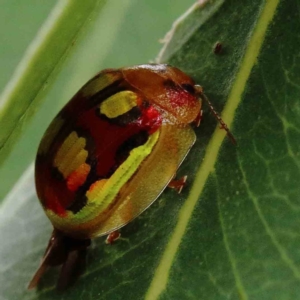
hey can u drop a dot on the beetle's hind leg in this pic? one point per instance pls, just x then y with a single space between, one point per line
72 268
65 251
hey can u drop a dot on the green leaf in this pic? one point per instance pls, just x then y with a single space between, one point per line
39 66
233 232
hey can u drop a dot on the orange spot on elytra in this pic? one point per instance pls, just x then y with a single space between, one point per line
78 177
97 185
139 101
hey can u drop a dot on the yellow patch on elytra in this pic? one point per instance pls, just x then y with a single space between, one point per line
71 154
119 104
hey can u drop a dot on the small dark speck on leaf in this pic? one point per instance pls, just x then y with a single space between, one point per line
218 47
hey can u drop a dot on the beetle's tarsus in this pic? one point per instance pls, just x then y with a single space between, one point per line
198 119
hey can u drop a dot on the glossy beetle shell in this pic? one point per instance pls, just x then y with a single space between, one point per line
114 147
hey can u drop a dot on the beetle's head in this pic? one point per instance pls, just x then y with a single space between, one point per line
169 88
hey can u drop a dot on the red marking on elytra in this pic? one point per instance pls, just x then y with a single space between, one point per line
179 97
109 137
52 191
54 204
59 210
150 120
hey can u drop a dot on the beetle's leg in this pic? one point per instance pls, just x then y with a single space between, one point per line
198 119
178 184
54 251
62 250
72 268
112 237
74 263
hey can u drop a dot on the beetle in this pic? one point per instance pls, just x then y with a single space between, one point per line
108 155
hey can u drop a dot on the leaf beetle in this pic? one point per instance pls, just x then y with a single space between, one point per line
124 129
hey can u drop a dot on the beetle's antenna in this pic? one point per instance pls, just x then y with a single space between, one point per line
217 116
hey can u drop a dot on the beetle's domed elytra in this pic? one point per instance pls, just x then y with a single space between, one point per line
104 137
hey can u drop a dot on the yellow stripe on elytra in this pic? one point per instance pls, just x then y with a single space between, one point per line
160 278
100 197
118 104
71 154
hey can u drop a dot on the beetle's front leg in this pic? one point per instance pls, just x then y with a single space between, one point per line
178 184
198 119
